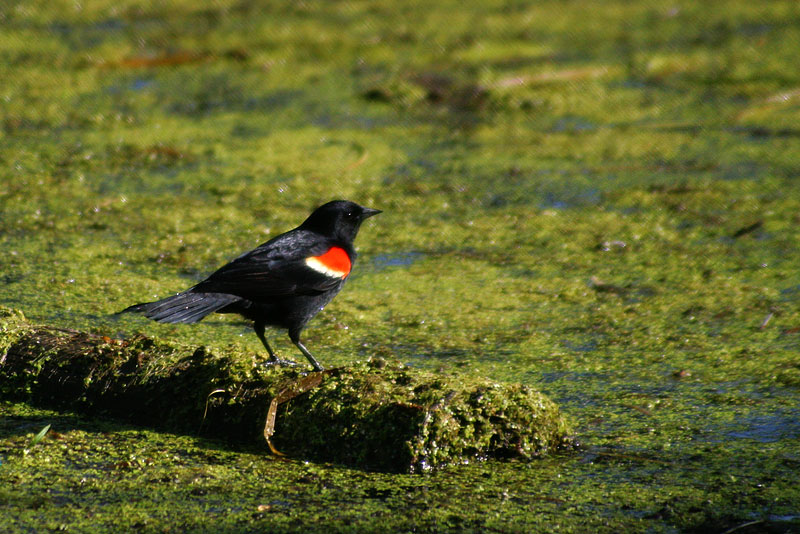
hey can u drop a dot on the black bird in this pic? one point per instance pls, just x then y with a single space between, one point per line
282 283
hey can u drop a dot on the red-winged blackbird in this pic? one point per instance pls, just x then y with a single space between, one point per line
283 283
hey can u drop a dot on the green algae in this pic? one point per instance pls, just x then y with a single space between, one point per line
579 228
387 416
370 415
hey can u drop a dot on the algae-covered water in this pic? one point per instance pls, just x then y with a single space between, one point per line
599 200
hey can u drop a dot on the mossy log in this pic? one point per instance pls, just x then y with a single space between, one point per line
371 415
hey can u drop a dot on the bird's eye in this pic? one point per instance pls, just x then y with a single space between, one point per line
349 214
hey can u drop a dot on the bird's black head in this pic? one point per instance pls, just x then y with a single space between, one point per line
339 219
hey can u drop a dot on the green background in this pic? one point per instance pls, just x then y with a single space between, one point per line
597 199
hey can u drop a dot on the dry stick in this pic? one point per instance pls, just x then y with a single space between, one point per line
205 411
743 525
294 389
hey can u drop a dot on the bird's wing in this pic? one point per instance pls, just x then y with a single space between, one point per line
295 263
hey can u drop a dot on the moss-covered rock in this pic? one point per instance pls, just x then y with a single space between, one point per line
373 414
392 416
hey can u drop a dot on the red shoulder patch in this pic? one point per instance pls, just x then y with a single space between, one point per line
335 263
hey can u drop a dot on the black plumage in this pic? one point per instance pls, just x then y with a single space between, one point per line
282 283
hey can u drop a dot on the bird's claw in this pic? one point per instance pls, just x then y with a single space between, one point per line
281 362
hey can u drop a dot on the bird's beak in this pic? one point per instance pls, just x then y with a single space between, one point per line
368 212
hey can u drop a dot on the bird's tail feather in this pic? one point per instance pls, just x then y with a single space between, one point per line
186 307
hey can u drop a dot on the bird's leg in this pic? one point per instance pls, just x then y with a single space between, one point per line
273 359
294 335
259 328
304 350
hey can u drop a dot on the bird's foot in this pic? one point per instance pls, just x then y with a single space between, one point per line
281 362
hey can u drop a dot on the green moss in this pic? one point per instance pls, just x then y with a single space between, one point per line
370 415
444 419
612 221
